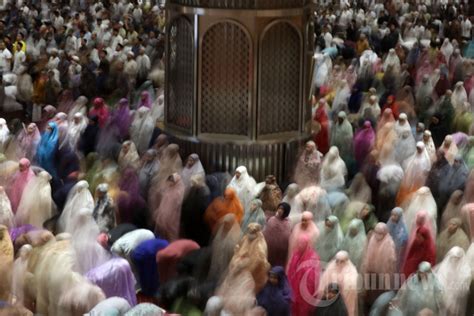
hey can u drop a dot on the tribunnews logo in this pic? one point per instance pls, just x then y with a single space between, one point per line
365 282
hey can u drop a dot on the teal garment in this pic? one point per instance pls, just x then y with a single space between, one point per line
416 295
355 241
469 51
330 240
253 216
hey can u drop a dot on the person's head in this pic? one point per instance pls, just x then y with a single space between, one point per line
253 231
353 228
448 140
390 99
396 214
380 231
192 159
306 219
283 210
2 45
372 99
50 126
422 234
239 172
426 136
331 291
77 118
420 147
424 269
126 146
420 127
273 278
364 212
101 190
341 258
229 194
24 164
310 147
98 102
31 128
270 179
453 225
402 118
330 222
458 161
341 116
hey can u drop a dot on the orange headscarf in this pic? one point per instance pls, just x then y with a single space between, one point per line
222 206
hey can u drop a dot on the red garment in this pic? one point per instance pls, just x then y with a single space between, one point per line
419 251
168 258
304 273
322 138
392 106
100 110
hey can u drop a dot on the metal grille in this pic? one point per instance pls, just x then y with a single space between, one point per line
261 160
280 80
225 80
181 74
243 4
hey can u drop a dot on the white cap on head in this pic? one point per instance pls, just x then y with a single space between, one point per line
103 187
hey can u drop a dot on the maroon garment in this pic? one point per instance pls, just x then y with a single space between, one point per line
277 234
422 249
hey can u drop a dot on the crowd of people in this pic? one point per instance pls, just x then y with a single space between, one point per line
101 214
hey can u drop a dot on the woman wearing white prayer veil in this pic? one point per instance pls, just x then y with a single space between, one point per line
192 168
343 94
4 134
128 156
290 197
142 128
429 145
392 60
422 199
447 49
6 214
158 107
79 197
333 170
36 204
405 144
344 273
89 253
320 73
424 90
456 285
80 106
459 97
449 148
312 199
19 275
244 185
75 130
416 170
